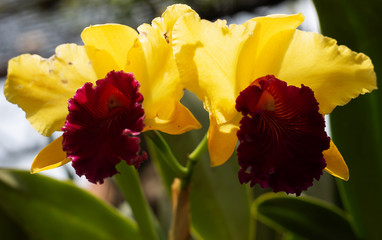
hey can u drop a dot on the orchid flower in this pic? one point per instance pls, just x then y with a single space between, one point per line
138 89
268 85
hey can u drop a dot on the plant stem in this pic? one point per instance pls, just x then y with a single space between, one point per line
199 150
180 227
193 159
129 183
165 150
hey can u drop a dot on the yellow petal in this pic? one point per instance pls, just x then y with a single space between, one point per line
255 56
153 65
115 39
42 87
50 157
166 23
214 48
334 73
182 122
152 62
335 163
221 141
102 61
268 26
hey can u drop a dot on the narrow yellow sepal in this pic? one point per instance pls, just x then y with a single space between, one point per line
181 121
335 163
152 62
222 140
50 157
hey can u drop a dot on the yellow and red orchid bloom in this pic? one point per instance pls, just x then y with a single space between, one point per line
269 84
42 88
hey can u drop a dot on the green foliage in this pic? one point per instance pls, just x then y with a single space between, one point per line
128 182
9 228
303 216
156 153
220 205
49 209
356 127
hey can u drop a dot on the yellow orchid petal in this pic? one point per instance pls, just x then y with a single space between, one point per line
153 65
252 63
166 23
183 122
335 73
115 39
152 62
50 157
102 61
271 24
335 163
42 87
221 141
214 47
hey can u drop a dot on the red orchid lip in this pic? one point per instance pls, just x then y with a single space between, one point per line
282 136
103 125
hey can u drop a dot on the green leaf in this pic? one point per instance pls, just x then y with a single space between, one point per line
10 229
49 209
304 216
129 183
220 205
159 157
356 127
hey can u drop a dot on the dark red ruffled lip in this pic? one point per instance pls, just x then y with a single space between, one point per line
282 136
103 125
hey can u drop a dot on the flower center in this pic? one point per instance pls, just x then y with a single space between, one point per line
117 100
266 103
